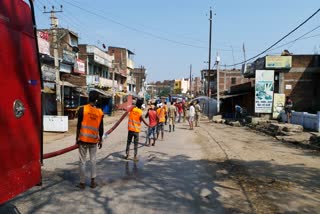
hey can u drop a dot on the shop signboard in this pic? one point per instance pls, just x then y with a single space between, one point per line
279 62
264 91
79 67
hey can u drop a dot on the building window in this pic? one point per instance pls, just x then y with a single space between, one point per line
233 80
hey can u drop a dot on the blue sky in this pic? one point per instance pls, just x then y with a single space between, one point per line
169 35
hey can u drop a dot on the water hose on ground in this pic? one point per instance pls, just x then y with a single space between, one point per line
75 146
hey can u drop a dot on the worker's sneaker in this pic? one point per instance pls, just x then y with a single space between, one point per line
93 184
81 185
135 158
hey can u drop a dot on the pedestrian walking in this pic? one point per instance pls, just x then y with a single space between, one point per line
184 109
89 136
191 115
198 112
161 119
166 112
288 108
172 113
134 128
180 111
152 115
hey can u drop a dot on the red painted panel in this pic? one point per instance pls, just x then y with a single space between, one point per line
20 167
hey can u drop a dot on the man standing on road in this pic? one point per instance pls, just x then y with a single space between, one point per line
288 108
161 120
134 128
152 115
198 111
191 115
88 136
172 113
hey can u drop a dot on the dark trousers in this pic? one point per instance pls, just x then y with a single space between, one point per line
135 136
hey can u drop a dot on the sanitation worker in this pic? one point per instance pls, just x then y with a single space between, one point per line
161 112
134 128
89 137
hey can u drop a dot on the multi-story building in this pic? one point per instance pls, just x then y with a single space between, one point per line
297 76
140 76
227 78
71 69
99 67
123 61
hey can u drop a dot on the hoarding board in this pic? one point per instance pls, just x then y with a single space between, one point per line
278 104
278 62
264 91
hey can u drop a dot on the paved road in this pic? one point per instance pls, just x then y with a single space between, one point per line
212 169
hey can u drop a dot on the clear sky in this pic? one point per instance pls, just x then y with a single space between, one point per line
169 35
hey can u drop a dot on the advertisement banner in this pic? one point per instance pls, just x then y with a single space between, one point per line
264 91
79 67
278 104
278 62
43 43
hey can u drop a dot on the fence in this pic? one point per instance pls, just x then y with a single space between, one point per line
309 121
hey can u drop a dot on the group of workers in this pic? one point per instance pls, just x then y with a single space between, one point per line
90 129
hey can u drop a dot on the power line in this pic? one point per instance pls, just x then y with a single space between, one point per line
156 29
297 39
133 28
277 41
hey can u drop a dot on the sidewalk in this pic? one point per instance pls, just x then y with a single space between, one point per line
284 132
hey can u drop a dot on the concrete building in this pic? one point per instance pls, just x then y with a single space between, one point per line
227 79
140 76
123 62
297 76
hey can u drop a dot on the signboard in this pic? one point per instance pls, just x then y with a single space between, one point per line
264 91
278 104
92 79
277 62
79 67
69 56
65 68
48 73
43 43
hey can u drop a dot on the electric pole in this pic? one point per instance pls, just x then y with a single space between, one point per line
218 83
209 61
54 25
190 80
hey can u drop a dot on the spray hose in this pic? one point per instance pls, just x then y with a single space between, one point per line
75 146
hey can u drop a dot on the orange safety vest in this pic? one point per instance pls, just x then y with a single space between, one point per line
134 123
89 131
161 115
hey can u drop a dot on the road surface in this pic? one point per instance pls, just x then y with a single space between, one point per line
214 168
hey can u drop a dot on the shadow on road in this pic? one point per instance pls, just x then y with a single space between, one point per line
164 183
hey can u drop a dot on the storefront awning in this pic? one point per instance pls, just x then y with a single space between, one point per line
232 95
105 93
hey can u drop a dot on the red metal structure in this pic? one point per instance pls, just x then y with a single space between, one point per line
20 94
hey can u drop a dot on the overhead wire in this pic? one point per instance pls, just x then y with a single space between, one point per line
251 58
297 39
159 30
133 28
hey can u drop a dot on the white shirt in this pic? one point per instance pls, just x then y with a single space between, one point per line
192 111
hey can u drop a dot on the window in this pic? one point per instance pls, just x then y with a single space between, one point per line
233 80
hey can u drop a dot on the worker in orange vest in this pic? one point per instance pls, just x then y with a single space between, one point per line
89 136
134 128
161 112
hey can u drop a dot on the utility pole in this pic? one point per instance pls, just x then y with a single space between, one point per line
54 25
190 80
244 53
209 61
113 75
218 83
